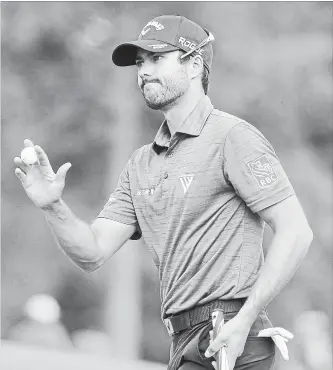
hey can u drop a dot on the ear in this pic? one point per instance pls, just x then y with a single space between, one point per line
197 66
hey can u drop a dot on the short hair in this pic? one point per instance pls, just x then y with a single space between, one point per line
204 75
205 79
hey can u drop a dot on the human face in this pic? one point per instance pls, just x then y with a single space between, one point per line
161 78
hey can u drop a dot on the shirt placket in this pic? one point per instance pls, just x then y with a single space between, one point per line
167 168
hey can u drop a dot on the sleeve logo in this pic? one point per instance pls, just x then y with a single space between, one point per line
263 171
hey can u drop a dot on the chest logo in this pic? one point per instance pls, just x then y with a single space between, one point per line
145 191
186 181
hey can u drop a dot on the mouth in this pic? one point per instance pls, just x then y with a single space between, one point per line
144 84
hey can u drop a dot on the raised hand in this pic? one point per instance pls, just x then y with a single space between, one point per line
39 181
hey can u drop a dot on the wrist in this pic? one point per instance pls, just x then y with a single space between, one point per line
51 206
247 315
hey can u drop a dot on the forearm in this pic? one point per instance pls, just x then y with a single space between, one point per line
284 256
74 236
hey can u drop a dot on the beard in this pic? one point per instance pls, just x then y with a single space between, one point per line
162 95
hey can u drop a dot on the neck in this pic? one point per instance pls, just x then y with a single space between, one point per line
178 113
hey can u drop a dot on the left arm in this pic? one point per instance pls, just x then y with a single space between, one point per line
251 166
292 238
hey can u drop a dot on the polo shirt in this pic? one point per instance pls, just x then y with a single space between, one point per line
194 198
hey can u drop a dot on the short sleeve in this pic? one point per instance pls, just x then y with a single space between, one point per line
120 207
251 166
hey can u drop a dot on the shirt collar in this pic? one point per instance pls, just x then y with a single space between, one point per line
192 125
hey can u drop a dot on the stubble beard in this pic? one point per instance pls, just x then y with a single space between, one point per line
162 100
167 95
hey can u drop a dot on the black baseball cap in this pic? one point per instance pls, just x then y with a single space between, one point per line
167 33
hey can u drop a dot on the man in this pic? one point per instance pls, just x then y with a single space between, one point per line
199 195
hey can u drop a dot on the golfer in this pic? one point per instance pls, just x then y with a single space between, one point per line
199 196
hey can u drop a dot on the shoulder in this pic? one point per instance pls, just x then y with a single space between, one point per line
221 116
140 152
230 125
139 156
230 130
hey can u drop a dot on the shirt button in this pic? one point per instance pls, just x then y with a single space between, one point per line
166 175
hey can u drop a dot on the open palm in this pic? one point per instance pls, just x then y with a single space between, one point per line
41 184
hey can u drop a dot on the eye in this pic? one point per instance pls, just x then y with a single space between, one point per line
139 63
157 57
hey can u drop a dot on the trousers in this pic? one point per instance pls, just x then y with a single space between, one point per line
188 347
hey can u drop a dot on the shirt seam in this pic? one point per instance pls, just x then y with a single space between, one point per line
220 113
224 144
119 218
278 197
241 254
178 32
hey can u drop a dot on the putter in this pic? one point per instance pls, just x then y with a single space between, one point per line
222 358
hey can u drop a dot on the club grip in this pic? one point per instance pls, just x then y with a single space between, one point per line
218 321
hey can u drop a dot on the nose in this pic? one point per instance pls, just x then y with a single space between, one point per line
146 69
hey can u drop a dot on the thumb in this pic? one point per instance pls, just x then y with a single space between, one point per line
213 347
62 171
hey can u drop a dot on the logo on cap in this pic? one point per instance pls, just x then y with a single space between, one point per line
158 46
158 26
188 44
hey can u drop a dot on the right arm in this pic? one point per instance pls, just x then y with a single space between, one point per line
88 246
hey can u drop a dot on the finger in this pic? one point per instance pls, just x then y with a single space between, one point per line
19 163
43 158
214 347
214 365
269 332
28 142
210 351
61 173
20 174
282 346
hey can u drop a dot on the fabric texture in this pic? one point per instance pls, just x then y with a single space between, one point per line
195 198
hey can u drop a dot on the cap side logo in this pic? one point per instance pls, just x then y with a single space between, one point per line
158 26
190 45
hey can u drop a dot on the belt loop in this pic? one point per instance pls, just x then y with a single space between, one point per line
210 311
169 327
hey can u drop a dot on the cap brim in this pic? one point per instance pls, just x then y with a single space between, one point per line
125 54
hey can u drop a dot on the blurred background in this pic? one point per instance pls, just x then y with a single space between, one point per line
272 67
